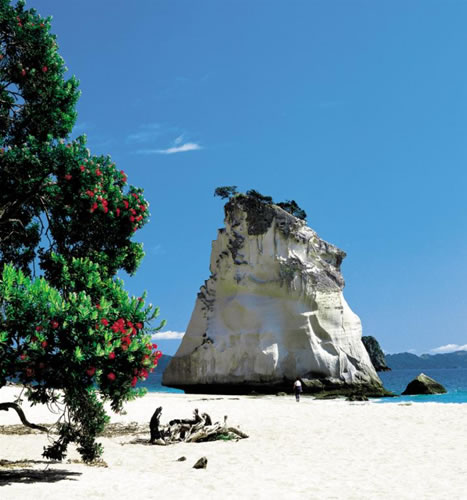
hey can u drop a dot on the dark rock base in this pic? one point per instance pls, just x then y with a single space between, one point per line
321 389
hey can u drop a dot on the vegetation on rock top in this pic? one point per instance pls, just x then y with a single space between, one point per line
259 201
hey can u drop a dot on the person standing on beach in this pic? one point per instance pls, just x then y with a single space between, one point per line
297 387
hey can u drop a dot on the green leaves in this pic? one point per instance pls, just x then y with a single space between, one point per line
70 217
99 351
78 354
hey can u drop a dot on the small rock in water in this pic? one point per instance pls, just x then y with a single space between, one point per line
181 459
202 463
424 385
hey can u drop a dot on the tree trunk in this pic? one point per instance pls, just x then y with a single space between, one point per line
22 416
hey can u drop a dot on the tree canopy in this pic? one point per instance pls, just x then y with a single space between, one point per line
225 191
69 332
289 206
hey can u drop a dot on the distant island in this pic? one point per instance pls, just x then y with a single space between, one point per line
403 360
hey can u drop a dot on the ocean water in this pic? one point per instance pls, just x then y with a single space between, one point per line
154 384
453 379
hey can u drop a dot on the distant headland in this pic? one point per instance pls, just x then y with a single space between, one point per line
403 360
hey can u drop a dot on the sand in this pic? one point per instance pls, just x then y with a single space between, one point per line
307 450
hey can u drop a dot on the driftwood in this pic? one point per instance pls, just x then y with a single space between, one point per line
199 428
154 425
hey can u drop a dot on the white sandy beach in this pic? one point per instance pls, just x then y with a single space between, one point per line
310 450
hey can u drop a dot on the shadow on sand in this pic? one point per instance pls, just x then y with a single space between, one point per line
18 472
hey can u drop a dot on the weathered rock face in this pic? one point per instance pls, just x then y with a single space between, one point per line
376 354
272 309
423 384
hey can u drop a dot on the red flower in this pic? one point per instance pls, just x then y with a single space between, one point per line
91 371
142 208
129 323
105 209
134 195
134 380
44 344
139 325
104 322
118 212
23 356
124 347
154 346
90 193
133 211
111 376
126 340
54 324
112 355
23 72
82 168
98 172
132 219
38 328
68 177
98 306
125 203
94 206
44 69
144 373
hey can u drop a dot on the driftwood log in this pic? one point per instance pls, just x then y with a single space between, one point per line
199 428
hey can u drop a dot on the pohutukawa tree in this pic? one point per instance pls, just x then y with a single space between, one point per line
69 332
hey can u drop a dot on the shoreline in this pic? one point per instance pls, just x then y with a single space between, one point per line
312 449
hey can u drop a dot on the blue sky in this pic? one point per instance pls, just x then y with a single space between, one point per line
355 109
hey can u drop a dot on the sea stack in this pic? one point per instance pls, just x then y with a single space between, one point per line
272 310
376 354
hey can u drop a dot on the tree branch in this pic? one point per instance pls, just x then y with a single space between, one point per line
22 416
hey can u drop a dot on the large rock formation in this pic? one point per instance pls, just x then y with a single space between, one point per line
376 353
272 309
